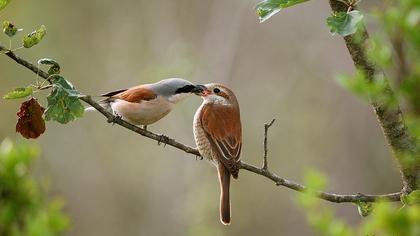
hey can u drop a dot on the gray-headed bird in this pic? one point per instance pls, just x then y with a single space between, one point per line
146 104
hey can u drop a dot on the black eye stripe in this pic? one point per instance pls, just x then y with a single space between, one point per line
216 90
186 89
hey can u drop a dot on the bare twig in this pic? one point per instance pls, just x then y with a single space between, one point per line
331 197
45 87
266 127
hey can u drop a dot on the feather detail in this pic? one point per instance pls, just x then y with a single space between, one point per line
222 126
112 93
134 94
224 180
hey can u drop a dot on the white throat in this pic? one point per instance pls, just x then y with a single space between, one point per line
214 99
177 97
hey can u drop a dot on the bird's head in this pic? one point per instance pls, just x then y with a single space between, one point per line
216 94
174 89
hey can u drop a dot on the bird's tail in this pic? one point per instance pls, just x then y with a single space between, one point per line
224 180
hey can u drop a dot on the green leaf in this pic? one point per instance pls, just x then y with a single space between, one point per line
55 67
314 181
60 81
413 124
3 3
360 86
63 102
35 37
19 93
27 208
10 29
344 23
387 219
412 198
269 8
379 52
364 208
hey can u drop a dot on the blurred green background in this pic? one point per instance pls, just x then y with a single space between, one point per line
118 183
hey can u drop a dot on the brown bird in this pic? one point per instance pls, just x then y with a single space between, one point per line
218 136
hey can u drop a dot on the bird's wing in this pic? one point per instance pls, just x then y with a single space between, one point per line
134 94
112 93
222 126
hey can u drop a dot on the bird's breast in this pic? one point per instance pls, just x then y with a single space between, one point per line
144 112
201 140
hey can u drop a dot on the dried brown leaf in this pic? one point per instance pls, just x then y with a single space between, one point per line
30 123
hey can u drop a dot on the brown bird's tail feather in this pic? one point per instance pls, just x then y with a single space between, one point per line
224 180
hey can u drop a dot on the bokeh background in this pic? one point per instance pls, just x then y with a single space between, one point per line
118 183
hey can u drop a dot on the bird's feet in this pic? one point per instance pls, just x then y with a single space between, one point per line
145 127
163 139
114 119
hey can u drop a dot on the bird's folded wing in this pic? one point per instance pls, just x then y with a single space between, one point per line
134 94
223 129
112 93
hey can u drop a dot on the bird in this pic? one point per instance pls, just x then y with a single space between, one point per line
218 136
147 103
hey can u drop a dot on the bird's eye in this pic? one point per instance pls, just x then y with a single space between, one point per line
216 90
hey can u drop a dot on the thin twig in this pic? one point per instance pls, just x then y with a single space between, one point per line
331 197
266 127
45 87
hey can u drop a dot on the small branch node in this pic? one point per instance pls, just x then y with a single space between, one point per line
163 139
360 195
114 119
268 125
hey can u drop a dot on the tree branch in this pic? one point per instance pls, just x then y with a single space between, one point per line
390 117
331 197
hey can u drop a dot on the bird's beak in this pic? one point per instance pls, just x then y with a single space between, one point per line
201 90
